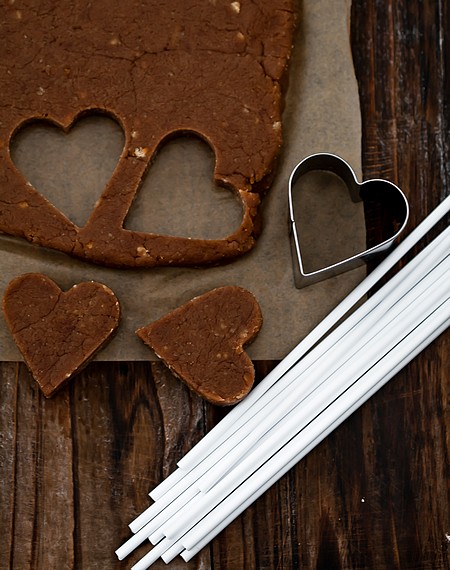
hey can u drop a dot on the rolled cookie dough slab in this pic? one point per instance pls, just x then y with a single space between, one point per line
210 68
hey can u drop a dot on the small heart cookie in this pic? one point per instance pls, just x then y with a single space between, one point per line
58 332
202 342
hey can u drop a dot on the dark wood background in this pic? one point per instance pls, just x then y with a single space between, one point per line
76 469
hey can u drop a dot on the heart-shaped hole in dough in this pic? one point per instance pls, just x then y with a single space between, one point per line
70 168
178 196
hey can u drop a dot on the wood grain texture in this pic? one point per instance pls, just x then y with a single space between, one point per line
75 470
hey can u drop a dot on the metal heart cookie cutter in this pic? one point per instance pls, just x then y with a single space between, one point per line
389 196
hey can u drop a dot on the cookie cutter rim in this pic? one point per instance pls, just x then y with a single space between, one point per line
333 163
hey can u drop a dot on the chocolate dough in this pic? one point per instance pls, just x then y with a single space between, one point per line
214 69
202 343
58 332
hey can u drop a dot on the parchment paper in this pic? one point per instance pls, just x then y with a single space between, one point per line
321 115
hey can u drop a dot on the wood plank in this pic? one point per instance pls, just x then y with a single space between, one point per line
38 486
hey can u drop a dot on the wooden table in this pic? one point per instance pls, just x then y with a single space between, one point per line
75 470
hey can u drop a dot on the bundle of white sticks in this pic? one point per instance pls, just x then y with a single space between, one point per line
314 389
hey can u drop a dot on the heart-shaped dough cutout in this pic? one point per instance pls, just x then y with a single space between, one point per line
168 194
381 194
70 166
58 332
202 343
